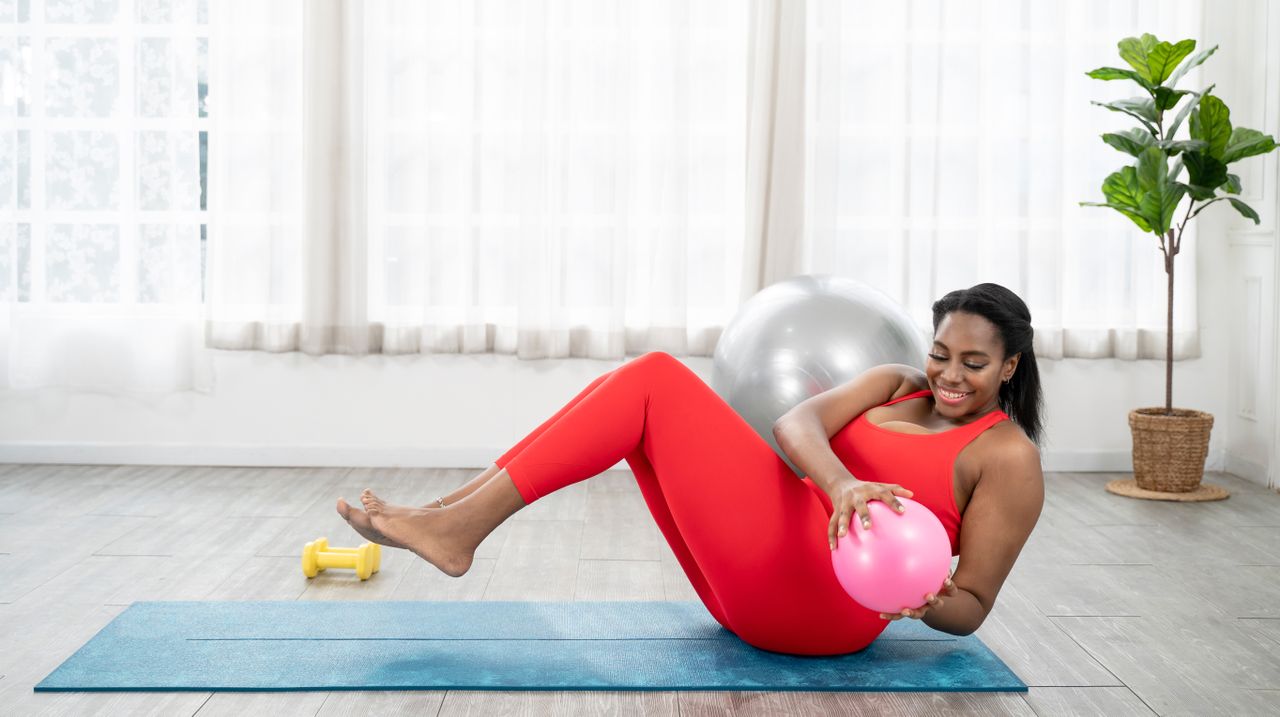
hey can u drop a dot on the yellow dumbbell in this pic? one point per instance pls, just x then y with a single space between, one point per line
317 556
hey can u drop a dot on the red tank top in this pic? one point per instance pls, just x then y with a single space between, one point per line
921 462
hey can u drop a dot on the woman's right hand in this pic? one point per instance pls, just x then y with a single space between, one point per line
850 495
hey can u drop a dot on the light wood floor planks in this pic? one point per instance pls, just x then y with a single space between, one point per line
1117 606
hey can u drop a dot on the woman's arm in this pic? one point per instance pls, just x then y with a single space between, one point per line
1004 508
807 445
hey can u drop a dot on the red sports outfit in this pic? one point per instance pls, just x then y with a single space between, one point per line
751 538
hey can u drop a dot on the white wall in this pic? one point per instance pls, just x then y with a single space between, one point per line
460 411
464 411
1246 70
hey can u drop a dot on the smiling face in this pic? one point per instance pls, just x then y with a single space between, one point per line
967 356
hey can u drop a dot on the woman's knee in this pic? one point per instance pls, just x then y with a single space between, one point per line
655 357
663 361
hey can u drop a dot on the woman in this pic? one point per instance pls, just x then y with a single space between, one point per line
755 542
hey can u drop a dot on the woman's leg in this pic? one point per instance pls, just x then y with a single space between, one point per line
359 520
750 536
466 489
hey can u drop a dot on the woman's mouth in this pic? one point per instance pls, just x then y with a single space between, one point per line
951 397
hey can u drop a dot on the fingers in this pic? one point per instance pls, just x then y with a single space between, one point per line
930 601
916 614
838 527
894 492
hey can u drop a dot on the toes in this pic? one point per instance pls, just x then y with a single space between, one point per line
344 509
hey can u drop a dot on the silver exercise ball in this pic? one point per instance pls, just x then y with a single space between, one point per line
797 338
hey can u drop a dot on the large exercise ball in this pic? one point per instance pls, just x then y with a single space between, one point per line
802 336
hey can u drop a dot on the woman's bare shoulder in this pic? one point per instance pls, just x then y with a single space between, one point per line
1005 442
914 381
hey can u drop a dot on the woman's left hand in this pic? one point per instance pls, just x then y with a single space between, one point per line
931 600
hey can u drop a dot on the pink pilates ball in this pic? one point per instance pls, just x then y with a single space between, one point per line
892 566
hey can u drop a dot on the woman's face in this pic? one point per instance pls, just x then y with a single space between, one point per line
968 357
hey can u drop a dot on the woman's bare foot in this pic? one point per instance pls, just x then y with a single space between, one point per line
430 533
359 521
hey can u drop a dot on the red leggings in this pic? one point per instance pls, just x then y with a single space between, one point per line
751 537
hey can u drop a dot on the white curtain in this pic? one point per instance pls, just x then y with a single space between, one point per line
543 179
550 179
100 231
775 147
949 143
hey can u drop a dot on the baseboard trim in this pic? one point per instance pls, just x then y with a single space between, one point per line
178 454
227 455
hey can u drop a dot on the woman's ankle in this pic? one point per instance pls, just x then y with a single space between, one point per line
468 488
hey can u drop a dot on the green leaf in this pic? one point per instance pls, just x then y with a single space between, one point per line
1143 107
1124 195
1186 109
1153 169
1188 65
1131 141
1245 210
1115 73
1176 169
1136 51
1166 98
1154 60
1158 206
1245 142
1204 172
1211 122
1233 184
1137 218
1164 58
1157 198
1139 108
1200 193
1181 145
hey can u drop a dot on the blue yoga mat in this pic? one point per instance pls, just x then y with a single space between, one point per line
359 645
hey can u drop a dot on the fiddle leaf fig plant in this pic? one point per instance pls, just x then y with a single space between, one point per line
1150 190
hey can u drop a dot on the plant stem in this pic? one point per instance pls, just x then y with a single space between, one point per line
1185 218
1168 348
1174 245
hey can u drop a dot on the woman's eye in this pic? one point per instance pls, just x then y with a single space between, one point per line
944 358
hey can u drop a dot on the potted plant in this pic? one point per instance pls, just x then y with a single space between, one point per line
1170 444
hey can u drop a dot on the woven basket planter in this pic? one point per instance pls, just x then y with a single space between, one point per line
1169 451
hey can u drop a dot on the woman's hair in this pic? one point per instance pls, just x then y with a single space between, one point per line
1020 398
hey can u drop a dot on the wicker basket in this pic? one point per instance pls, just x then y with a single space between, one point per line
1169 451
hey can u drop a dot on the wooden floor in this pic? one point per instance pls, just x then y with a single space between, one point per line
1117 606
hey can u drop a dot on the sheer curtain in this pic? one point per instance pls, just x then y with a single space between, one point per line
949 143
543 179
548 178
100 233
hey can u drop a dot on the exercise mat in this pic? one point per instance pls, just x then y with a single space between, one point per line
490 645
